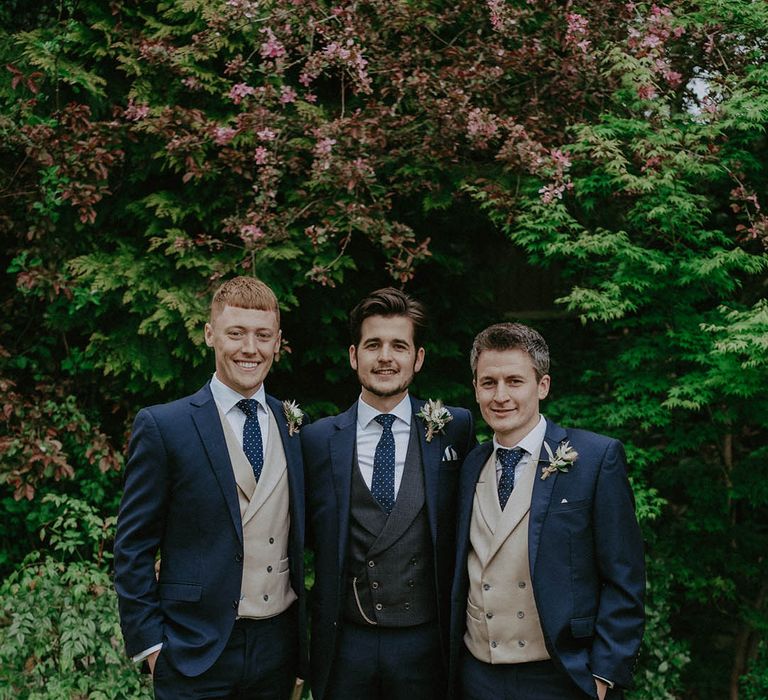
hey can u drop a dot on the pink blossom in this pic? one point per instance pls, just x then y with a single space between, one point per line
310 97
251 233
136 112
482 126
222 135
324 146
288 95
239 91
271 48
560 159
260 155
192 83
646 92
266 134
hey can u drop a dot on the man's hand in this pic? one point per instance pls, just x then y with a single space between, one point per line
152 660
602 688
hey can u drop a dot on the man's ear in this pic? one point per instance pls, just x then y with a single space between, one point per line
208 332
353 357
419 360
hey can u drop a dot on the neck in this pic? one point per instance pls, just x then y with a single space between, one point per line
383 404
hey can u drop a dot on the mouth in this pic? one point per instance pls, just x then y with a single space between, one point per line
243 364
388 372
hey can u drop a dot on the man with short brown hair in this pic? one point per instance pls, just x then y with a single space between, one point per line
214 483
548 590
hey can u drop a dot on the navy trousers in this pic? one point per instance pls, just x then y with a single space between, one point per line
258 663
388 663
538 680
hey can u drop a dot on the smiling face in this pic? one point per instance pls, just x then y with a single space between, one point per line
245 342
386 359
508 393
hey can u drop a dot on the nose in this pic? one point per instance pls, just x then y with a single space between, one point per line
501 394
385 352
249 344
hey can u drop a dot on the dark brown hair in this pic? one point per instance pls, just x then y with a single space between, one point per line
387 302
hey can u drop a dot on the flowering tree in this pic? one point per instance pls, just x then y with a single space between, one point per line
598 167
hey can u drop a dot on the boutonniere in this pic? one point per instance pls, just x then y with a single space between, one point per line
436 416
294 415
559 461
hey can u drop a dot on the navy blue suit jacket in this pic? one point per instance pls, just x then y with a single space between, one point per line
329 446
180 498
586 558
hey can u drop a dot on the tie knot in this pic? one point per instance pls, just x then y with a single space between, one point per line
248 406
385 420
509 458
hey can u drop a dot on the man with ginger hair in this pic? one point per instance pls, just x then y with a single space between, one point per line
214 484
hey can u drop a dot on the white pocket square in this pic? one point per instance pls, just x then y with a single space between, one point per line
450 454
565 500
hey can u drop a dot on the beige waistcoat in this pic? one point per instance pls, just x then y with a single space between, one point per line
265 590
502 621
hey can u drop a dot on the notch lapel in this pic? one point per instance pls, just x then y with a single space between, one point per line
542 492
342 450
431 455
205 415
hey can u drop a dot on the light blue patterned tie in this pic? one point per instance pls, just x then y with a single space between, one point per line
253 445
383 483
508 459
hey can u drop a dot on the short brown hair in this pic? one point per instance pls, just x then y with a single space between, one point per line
511 336
387 302
245 293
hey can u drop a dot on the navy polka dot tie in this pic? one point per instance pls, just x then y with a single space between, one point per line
383 484
252 442
508 459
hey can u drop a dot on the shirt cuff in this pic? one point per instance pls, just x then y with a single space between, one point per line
144 654
610 684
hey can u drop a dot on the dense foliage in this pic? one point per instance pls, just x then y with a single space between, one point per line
596 169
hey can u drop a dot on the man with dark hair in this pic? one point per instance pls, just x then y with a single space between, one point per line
547 602
214 482
381 496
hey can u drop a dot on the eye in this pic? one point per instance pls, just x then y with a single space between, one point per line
264 337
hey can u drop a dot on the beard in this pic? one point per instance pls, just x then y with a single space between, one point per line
386 390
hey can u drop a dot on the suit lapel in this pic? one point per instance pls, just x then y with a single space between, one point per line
295 466
206 418
542 492
342 450
431 455
471 469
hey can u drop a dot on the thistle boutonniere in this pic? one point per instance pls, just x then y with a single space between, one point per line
559 461
294 415
436 416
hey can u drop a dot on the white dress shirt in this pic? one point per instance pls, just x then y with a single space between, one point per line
531 444
226 399
369 432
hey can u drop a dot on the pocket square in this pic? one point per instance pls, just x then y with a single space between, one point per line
565 500
450 454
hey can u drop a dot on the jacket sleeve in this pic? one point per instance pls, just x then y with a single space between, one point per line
621 568
140 526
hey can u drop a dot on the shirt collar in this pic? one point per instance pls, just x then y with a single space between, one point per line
366 413
532 442
227 397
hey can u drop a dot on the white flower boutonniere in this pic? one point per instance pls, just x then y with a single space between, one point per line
436 416
294 415
561 460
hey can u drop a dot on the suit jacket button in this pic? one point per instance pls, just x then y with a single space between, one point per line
489 615
407 606
271 540
520 614
521 643
521 584
269 569
375 584
371 563
486 586
266 597
238 557
379 606
235 604
494 645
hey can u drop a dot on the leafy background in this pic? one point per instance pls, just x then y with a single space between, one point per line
595 169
